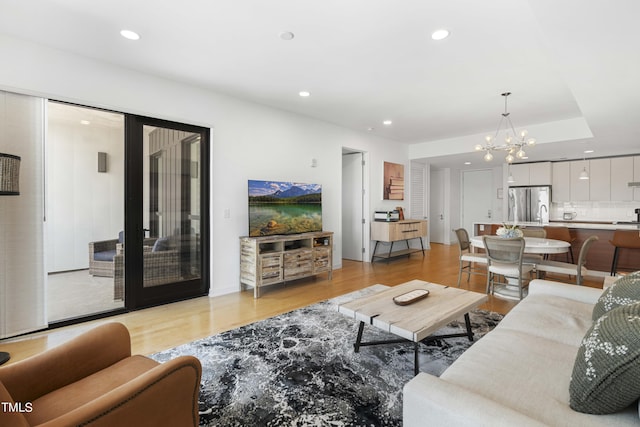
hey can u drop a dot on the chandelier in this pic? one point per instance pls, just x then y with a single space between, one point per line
514 142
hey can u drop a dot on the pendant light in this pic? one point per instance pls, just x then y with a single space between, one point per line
584 174
514 142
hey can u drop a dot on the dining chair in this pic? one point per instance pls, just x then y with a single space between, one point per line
561 233
468 258
533 232
579 270
623 239
505 258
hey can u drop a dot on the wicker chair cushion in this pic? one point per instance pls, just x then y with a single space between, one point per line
162 244
104 255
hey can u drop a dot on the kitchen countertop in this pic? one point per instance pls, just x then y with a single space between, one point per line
595 225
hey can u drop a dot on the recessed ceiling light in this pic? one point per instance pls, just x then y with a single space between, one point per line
387 122
131 35
588 151
467 163
440 34
287 35
304 93
85 122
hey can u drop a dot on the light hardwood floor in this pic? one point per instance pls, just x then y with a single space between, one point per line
167 326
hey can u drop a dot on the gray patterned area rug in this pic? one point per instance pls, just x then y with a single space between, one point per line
300 369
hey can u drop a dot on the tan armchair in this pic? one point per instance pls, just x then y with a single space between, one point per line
93 380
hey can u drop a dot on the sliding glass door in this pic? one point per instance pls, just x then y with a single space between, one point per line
166 212
126 212
85 166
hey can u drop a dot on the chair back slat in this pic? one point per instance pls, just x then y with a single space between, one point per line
504 250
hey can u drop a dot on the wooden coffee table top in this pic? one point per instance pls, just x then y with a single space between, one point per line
416 321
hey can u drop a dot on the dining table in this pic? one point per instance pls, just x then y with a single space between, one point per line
532 245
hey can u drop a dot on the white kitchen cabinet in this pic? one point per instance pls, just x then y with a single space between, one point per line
531 174
579 187
560 183
520 174
600 180
621 174
540 173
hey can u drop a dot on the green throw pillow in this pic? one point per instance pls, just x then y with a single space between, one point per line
606 373
625 290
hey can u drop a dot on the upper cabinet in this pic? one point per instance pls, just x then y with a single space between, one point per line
579 187
560 188
609 180
622 170
600 179
540 173
520 174
531 174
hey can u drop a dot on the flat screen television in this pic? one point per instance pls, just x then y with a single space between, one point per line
277 207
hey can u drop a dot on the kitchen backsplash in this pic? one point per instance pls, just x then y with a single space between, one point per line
594 211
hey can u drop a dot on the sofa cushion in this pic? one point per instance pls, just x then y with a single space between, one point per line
520 371
606 373
104 255
551 317
625 290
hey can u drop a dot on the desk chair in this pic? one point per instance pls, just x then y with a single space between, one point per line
468 257
579 270
505 258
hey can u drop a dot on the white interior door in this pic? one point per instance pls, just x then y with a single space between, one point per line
437 207
352 206
477 197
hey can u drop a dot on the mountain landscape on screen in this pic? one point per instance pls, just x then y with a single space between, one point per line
279 207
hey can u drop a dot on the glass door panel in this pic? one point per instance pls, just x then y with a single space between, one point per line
171 197
170 230
85 211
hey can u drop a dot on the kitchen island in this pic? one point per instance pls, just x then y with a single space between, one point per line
600 255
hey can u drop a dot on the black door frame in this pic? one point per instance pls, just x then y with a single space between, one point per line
136 296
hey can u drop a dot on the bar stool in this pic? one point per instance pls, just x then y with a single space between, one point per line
561 233
623 239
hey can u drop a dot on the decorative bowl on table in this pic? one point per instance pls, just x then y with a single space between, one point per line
509 230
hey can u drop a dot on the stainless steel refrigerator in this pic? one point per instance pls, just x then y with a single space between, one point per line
529 204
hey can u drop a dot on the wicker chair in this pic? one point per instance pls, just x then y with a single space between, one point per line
160 268
101 267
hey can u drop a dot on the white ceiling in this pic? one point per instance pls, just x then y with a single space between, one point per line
365 61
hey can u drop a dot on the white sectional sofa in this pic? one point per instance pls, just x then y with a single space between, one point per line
519 373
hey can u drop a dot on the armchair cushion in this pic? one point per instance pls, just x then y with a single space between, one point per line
94 380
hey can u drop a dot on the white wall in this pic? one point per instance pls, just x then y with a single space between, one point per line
249 141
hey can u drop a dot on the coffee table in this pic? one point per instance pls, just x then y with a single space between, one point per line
414 322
